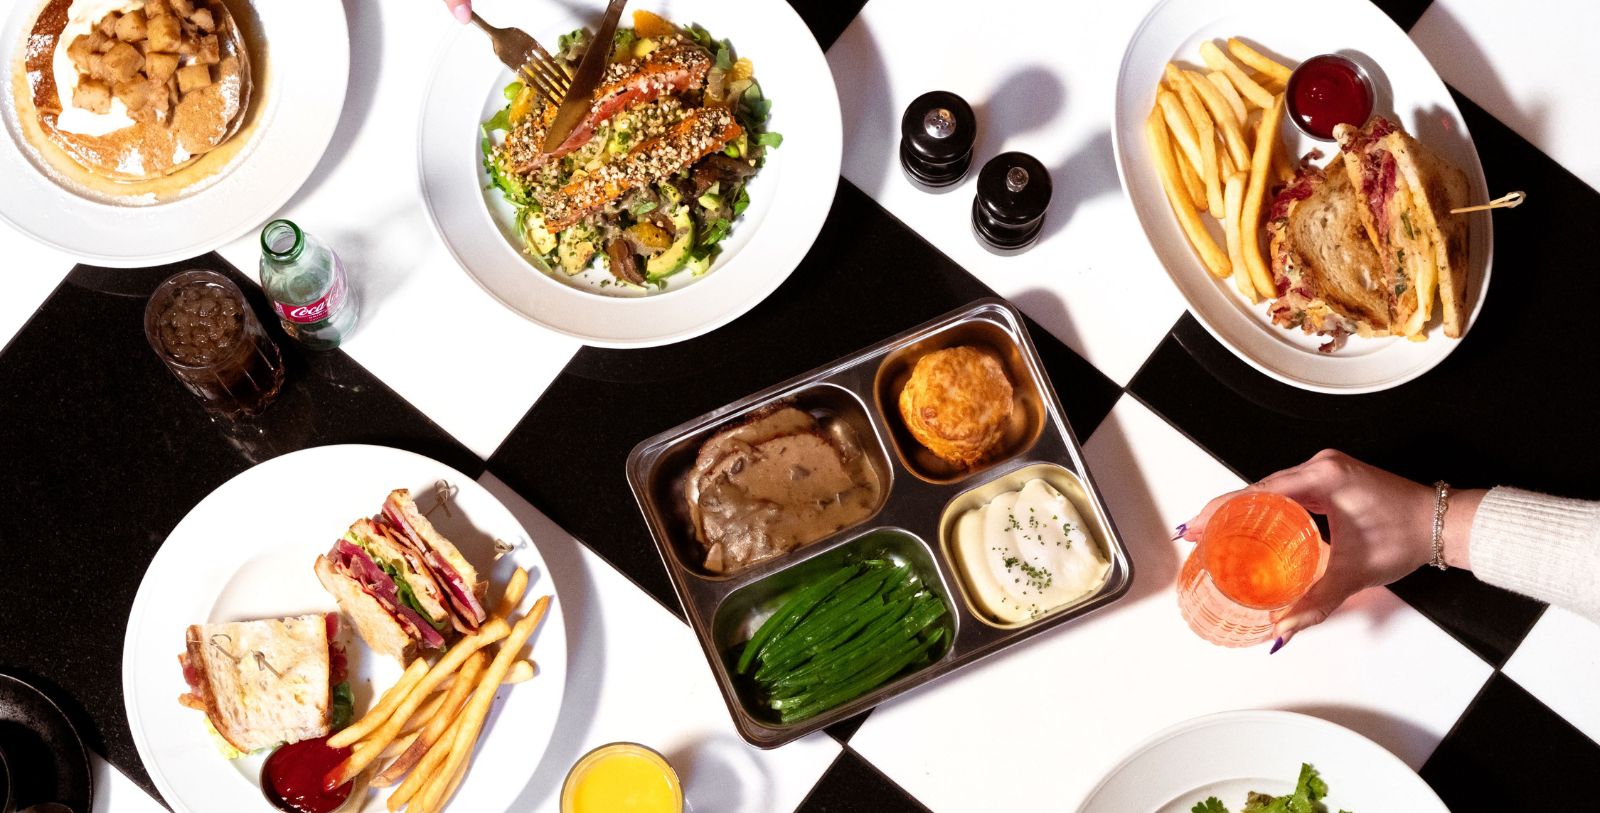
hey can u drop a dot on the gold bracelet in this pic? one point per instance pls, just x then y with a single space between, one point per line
1441 503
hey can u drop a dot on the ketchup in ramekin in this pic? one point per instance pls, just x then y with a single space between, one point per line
292 777
1328 90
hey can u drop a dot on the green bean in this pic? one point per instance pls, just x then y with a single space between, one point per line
864 684
792 612
891 616
827 619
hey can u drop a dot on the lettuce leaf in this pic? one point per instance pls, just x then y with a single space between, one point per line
344 705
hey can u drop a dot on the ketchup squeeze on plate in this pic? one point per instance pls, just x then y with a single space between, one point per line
292 777
1325 91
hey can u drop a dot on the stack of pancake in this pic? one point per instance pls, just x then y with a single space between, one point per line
133 90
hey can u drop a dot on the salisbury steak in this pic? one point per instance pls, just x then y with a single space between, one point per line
775 482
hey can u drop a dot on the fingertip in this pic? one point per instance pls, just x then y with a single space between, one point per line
462 12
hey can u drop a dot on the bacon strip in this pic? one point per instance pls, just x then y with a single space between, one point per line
468 611
355 563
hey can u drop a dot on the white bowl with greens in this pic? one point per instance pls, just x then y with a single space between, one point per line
669 258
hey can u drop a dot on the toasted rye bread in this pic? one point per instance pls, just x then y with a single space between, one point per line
376 626
1321 246
1436 188
262 683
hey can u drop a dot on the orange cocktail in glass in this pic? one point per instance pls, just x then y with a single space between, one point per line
1259 554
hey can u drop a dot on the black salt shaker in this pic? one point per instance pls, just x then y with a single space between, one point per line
936 135
1013 193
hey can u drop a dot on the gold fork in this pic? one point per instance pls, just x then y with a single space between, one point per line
529 60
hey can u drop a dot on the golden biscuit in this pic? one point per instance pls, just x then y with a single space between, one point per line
958 403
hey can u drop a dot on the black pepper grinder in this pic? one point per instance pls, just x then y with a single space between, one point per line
936 135
1013 192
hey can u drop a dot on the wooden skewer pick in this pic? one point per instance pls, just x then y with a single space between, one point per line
1508 201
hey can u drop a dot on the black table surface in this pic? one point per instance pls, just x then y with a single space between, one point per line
103 453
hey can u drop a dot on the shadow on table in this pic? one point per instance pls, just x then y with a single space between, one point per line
1405 739
1534 111
1130 499
585 646
361 91
722 773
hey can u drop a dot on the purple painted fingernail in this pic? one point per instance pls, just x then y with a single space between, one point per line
1276 645
1183 528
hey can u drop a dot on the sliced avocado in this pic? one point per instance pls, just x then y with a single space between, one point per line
669 195
575 248
670 261
540 237
699 265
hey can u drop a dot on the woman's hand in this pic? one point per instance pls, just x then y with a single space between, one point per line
1380 527
462 9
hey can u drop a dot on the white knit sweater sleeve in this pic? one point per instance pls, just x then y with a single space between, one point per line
1542 546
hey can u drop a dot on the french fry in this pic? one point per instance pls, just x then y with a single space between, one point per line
1250 217
520 671
1233 197
1273 69
1181 127
1222 113
396 748
424 771
444 714
1281 166
1214 259
492 630
472 717
1191 183
426 711
386 705
1219 80
1205 134
1219 61
512 596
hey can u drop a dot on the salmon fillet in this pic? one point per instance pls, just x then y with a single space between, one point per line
701 132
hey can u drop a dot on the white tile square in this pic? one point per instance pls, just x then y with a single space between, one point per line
1041 77
1528 66
1062 709
31 272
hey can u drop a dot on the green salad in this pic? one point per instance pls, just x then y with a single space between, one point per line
1307 798
654 178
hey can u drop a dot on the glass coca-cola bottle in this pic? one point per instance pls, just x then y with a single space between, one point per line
306 284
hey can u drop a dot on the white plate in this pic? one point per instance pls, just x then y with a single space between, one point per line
1229 754
1408 90
789 199
246 552
308 62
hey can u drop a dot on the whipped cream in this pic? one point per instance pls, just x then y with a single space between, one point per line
82 16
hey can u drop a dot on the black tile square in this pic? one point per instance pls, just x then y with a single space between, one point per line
852 785
1405 13
867 277
104 452
1510 406
827 19
1511 752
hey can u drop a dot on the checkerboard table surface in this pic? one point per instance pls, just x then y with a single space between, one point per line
1492 697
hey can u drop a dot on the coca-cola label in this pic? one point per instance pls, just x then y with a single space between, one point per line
313 312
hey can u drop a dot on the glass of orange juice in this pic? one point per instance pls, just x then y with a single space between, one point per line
1259 553
623 777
